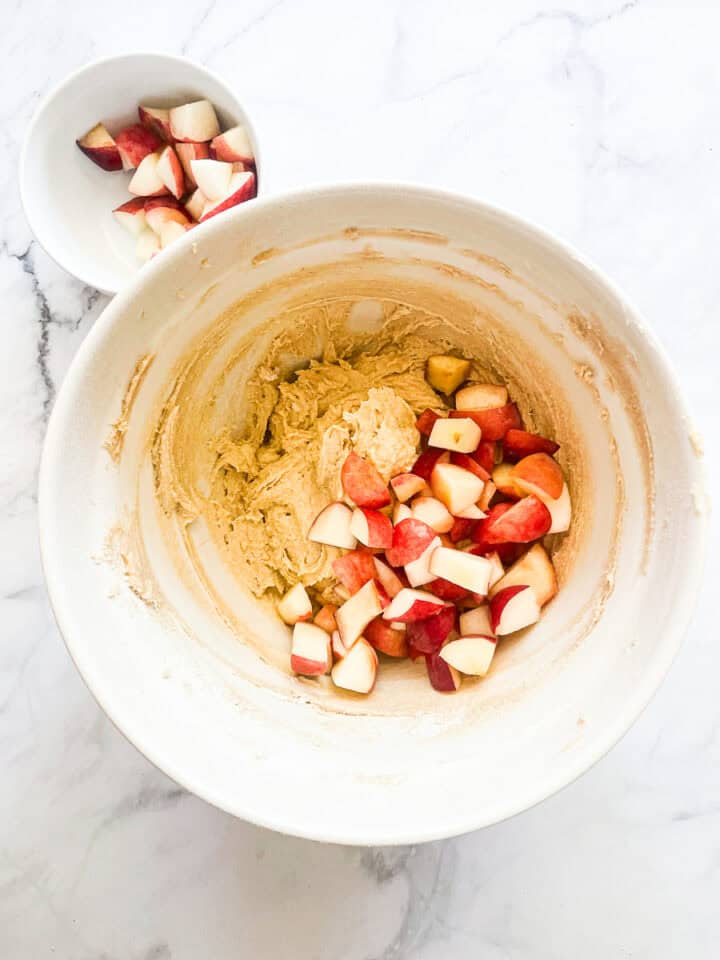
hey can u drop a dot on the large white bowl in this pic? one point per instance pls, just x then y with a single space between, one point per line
68 200
407 764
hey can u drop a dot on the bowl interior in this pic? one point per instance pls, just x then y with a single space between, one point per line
188 665
69 200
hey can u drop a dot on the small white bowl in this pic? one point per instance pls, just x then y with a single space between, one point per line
68 200
406 764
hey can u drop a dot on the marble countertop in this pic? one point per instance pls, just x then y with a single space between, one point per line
598 120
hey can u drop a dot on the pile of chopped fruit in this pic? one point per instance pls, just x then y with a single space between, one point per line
465 525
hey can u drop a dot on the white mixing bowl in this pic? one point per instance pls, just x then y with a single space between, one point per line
199 698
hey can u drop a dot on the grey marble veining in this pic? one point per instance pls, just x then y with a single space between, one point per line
598 120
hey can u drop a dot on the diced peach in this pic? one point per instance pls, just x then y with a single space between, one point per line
428 634
443 677
469 463
493 423
357 612
434 513
455 487
386 576
410 605
295 605
156 119
354 569
461 435
481 396
426 421
410 538
233 145
463 569
527 520
358 668
311 653
519 443
372 528
535 569
387 639
538 471
471 655
425 463
325 618
513 608
194 122
242 187
187 152
445 373
363 484
99 146
332 527
502 477
407 485
135 143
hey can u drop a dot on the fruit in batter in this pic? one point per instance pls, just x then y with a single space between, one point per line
357 669
495 422
332 527
476 622
481 396
357 612
463 569
519 443
411 605
388 579
455 487
325 618
513 608
354 570
311 653
462 435
535 569
372 528
434 513
525 521
442 676
411 537
445 373
418 571
363 484
538 474
428 634
471 655
407 485
386 638
295 605
451 524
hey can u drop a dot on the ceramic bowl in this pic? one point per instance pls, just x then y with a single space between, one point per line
187 669
68 200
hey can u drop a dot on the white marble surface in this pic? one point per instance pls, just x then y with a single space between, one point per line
599 120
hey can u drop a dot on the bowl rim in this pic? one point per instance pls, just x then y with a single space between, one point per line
45 104
446 825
